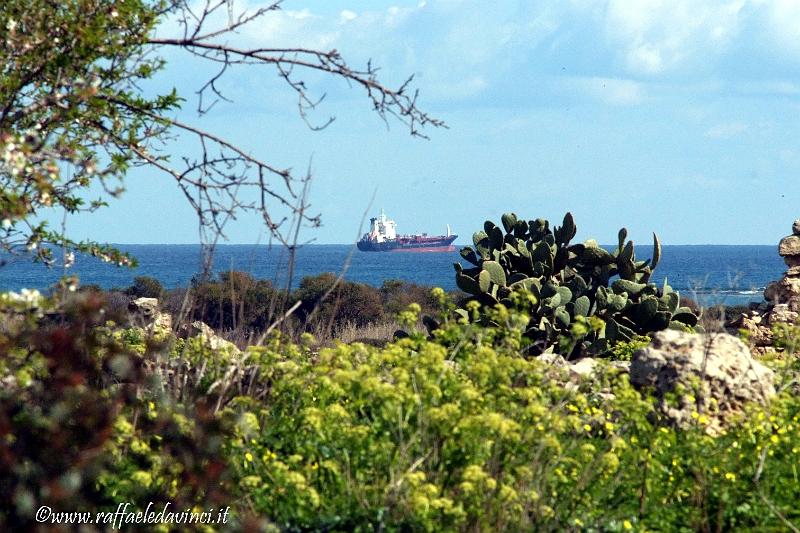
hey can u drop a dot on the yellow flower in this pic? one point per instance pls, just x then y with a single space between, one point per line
248 457
774 439
574 410
730 476
609 426
626 524
587 427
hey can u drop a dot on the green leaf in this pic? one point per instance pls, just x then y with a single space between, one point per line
496 272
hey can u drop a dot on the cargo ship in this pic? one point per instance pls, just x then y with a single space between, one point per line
383 237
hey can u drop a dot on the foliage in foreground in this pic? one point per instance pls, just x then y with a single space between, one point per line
451 433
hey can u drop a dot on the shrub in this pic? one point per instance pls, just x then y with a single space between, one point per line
82 428
236 300
438 435
397 295
555 282
329 304
145 287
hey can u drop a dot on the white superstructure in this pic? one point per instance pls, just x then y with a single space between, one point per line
383 228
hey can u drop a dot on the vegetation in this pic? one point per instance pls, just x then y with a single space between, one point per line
568 283
458 430
454 432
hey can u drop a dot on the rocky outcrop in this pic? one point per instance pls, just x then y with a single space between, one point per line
145 312
210 338
782 298
700 378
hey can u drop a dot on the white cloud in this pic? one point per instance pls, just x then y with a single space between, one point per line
656 36
346 15
726 130
783 25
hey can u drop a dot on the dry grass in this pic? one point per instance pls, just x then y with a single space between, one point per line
381 332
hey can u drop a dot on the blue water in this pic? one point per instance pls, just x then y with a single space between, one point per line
710 274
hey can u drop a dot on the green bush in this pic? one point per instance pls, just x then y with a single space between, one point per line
82 426
327 304
236 300
454 432
461 433
527 264
145 287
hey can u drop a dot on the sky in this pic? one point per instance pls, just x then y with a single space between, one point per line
680 117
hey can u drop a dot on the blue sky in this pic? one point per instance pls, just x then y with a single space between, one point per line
680 117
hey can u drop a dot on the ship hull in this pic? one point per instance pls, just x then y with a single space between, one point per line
410 243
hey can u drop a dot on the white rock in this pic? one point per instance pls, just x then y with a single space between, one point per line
717 370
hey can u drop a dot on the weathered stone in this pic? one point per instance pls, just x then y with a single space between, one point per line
793 271
712 375
622 366
144 307
211 339
552 359
782 314
147 315
796 227
789 245
792 260
583 368
163 321
785 291
771 292
758 334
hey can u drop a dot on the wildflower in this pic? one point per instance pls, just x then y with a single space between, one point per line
587 428
626 524
774 439
730 476
248 457
573 409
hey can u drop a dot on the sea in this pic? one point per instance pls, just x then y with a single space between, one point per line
709 274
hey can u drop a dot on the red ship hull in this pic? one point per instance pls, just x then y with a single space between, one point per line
409 243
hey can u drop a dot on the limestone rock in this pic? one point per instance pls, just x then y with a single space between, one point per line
552 359
782 314
785 291
712 374
145 307
758 333
792 260
163 321
796 227
211 339
583 368
145 310
789 245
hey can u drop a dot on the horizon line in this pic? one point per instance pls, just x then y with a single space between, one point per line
353 244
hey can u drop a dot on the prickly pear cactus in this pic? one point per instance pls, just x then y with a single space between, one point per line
568 281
